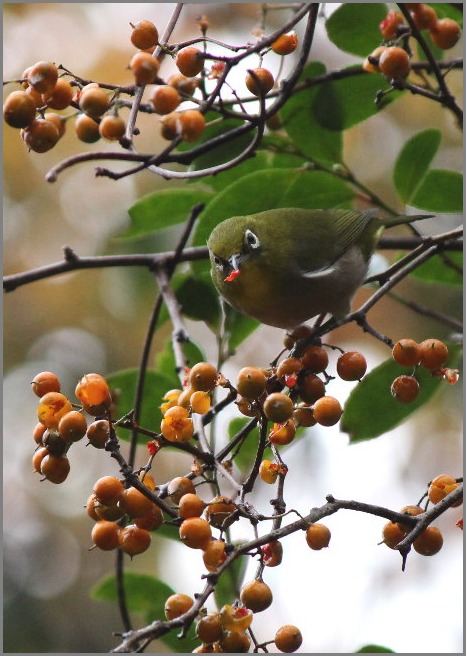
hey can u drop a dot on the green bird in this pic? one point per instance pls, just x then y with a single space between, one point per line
285 266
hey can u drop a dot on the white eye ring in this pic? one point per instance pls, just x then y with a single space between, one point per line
251 240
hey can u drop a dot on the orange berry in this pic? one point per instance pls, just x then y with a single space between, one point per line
93 392
251 382
45 382
327 411
310 388
134 503
389 26
192 124
425 17
433 354
272 553
441 486
368 65
413 511
165 99
134 540
55 468
52 407
55 444
315 359
58 121
37 458
19 109
445 33
72 426
285 44
144 67
392 534
200 402
218 510
394 62
278 407
60 96
176 605
191 505
195 532
288 638
144 35
299 332
429 542
38 433
43 76
112 128
176 425
41 135
105 535
186 86
236 618
351 365
108 490
303 415
87 130
256 595
151 520
214 554
189 61
282 434
268 471
209 629
203 376
405 389
98 433
318 536
407 352
261 83
179 486
288 370
94 101
234 642
170 398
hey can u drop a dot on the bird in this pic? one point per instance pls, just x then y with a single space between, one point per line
285 266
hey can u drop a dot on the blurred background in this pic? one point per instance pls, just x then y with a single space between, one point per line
352 594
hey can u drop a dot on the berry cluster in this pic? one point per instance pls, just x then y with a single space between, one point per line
96 109
60 425
431 354
392 59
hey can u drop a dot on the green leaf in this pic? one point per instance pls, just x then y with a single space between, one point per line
440 191
238 327
145 594
245 457
413 162
354 27
197 297
299 119
163 209
374 649
371 410
123 385
166 364
229 584
436 270
225 151
346 102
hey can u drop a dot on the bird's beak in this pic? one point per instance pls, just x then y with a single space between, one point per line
235 263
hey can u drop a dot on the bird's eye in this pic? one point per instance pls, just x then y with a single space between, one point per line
251 240
218 262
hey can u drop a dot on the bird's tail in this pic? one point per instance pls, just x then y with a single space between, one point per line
392 221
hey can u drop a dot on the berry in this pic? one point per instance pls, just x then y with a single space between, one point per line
93 392
303 415
327 411
433 354
389 26
251 382
236 618
52 407
368 65
94 101
278 407
272 553
445 33
37 458
186 86
256 595
144 67
165 99
203 376
105 535
315 359
176 425
190 61
405 389
58 121
351 365
288 638
300 332
268 471
112 128
19 109
38 433
247 408
192 124
218 510
98 433
394 62
134 503
200 402
441 486
288 370
134 540
111 513
179 486
429 542
234 642
55 468
151 520
170 126
261 83
318 536
425 17
108 490
209 629
191 505
170 398
176 605
42 77
45 382
282 434
195 532
392 534
61 95
413 511
72 426
144 35
214 554
54 443
407 352
87 130
285 44
41 135
90 507
310 388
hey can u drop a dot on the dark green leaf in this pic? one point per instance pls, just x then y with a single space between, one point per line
123 386
237 327
163 209
197 297
346 102
225 151
166 364
371 410
354 27
298 116
413 162
374 649
437 269
440 191
229 584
